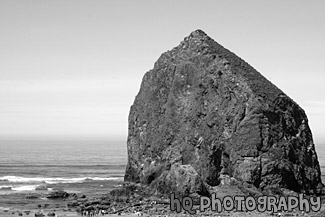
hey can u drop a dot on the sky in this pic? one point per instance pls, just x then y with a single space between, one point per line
71 69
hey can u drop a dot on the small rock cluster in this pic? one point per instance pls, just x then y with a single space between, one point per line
130 198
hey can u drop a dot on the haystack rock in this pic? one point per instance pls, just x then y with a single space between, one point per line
203 113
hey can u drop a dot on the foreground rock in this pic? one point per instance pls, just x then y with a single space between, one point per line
58 195
130 199
138 199
204 107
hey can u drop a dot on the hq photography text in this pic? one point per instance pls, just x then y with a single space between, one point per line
243 204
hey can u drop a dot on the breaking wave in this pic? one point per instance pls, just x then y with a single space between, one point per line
48 180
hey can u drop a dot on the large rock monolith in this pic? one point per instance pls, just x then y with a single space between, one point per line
202 113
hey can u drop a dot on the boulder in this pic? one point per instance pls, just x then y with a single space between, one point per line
203 113
58 195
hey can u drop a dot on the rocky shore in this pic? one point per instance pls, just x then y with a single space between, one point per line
139 200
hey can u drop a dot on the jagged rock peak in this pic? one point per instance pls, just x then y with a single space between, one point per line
197 34
199 45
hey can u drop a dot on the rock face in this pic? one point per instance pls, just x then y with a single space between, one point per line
204 113
181 180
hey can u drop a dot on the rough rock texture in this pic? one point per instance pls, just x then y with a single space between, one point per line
203 106
181 180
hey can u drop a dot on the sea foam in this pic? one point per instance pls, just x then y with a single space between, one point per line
25 188
49 180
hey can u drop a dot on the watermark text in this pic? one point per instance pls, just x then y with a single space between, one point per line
249 203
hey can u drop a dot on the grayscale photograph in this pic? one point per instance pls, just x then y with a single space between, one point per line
162 108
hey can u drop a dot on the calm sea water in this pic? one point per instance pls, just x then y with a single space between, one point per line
73 166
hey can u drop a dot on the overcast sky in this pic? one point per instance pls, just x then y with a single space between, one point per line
72 68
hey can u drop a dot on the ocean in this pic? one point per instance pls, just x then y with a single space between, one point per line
81 167
31 167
